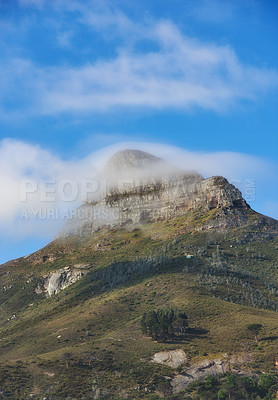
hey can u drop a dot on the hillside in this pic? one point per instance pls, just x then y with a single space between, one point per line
70 324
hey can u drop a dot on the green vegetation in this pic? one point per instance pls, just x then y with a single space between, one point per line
231 387
87 340
164 325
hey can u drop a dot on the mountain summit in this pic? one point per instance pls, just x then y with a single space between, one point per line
126 159
128 169
139 187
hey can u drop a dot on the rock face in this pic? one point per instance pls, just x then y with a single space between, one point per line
172 358
141 187
60 280
206 368
200 370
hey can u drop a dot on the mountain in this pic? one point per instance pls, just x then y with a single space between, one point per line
154 242
139 187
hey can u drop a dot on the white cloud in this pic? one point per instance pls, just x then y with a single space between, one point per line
65 38
20 161
21 164
176 72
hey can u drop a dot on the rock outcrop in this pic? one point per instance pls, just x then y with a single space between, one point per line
171 358
202 369
60 280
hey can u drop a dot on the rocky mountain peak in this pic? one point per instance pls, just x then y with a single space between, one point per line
141 187
131 170
128 158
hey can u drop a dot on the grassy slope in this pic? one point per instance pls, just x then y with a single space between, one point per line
101 328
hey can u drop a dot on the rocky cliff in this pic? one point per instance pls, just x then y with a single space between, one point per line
59 280
141 187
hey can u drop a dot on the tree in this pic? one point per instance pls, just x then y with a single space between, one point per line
266 381
222 395
66 357
255 329
180 323
164 324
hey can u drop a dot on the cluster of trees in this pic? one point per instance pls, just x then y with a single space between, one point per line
164 324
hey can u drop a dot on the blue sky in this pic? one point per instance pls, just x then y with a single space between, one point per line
193 80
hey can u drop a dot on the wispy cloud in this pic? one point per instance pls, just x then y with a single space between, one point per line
65 38
43 211
155 66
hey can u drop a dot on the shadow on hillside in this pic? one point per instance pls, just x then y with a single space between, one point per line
191 333
196 332
271 338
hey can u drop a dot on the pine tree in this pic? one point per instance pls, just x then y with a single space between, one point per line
164 324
